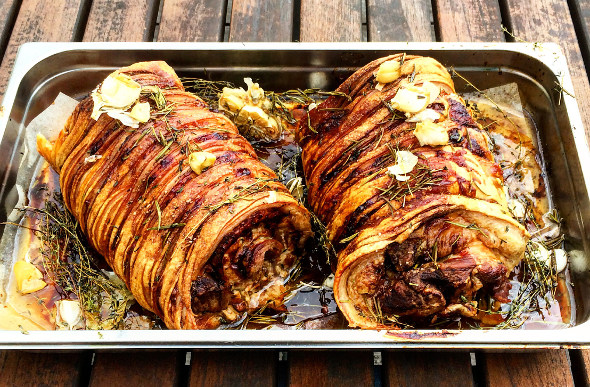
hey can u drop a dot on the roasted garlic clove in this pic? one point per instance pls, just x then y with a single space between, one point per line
140 112
119 91
388 72
429 133
232 100
410 100
199 161
28 277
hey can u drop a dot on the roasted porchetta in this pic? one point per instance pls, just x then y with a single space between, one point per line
412 200
176 200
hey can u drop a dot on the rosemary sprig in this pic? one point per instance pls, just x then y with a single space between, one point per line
470 226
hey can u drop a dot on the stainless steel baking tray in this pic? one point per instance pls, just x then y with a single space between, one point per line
42 70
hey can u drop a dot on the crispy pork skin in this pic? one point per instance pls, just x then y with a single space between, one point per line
199 246
404 180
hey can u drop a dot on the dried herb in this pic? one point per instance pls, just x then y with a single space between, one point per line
71 265
208 91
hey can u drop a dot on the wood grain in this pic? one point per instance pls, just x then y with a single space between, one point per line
121 20
331 21
581 16
261 21
46 368
7 10
545 368
580 361
425 368
400 20
158 369
334 368
233 368
469 21
192 21
550 21
39 21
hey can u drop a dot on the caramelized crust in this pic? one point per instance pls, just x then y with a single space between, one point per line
196 249
420 247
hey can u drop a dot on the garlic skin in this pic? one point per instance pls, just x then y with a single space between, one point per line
119 91
296 188
516 208
425 115
429 133
404 163
115 96
28 278
199 161
329 282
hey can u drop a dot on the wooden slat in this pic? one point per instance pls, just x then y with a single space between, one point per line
469 20
546 368
581 15
39 21
331 21
233 368
192 21
427 368
261 21
550 21
334 368
158 369
400 20
42 369
580 360
121 20
7 10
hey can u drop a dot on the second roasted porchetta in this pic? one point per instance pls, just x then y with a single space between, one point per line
176 200
403 178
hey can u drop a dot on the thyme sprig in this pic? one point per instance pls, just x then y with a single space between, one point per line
422 179
243 193
207 90
540 280
280 101
376 314
71 265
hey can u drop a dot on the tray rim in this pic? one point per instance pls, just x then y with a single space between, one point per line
550 54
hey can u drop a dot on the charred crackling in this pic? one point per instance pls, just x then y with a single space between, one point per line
153 218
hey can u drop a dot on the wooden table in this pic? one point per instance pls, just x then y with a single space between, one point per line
565 22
